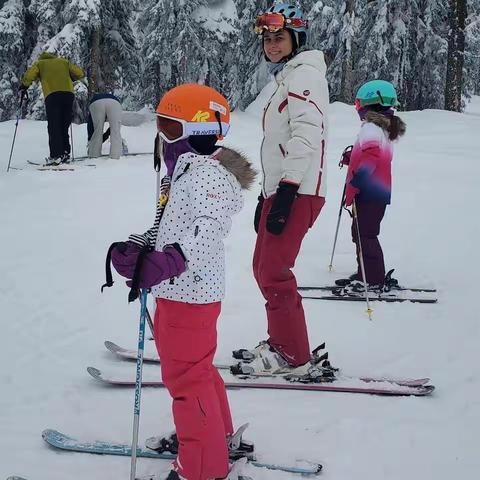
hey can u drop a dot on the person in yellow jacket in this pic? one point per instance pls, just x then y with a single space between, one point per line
56 75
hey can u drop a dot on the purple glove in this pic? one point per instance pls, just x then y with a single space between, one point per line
124 259
160 266
157 266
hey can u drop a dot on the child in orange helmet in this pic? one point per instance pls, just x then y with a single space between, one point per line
186 271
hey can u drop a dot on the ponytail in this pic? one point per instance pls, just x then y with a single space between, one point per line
397 128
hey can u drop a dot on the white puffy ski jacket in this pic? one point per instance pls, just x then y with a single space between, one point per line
205 192
295 127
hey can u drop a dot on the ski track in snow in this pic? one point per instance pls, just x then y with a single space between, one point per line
57 226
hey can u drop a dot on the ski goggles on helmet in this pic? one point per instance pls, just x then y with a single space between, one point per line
274 22
173 129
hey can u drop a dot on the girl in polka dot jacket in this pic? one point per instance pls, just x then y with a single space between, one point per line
186 270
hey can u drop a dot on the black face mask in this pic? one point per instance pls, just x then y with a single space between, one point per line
203 144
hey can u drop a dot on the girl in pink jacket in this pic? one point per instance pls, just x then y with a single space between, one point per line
369 176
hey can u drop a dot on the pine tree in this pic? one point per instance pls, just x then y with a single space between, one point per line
173 48
252 67
472 52
456 53
336 25
428 80
221 34
118 48
12 62
44 17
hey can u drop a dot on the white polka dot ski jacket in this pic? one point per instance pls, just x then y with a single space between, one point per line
205 192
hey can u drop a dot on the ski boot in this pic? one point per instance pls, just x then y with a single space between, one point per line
343 282
237 447
65 158
52 161
259 361
249 355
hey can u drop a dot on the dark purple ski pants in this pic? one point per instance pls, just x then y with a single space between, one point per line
370 215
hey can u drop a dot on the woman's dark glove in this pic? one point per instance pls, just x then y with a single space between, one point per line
258 213
282 203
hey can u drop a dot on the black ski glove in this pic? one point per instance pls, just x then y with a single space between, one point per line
258 213
278 215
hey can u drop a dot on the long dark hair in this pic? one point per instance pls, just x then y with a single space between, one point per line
397 128
393 125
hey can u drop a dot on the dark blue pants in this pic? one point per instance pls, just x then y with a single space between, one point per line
370 215
59 106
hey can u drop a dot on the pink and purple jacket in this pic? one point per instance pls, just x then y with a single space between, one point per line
369 176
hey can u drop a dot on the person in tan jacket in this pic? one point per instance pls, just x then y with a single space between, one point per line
56 74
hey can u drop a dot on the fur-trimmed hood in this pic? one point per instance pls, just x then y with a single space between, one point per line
383 121
238 165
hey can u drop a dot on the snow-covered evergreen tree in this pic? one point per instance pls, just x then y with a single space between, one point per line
456 55
141 48
173 47
472 53
333 29
253 72
118 48
44 16
428 79
12 62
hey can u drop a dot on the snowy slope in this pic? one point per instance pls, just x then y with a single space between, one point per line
55 231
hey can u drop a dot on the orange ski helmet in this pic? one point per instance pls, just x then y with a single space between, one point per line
192 109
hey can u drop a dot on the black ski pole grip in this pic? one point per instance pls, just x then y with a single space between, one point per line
133 294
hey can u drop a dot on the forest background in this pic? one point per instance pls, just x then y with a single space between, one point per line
429 49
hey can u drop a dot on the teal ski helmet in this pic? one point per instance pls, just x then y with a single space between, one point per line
376 92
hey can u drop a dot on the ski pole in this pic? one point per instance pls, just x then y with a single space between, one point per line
150 324
18 115
157 162
344 161
138 381
360 256
71 136
330 266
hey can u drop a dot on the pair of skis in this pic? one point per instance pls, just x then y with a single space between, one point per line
379 386
61 441
61 167
342 383
397 294
70 166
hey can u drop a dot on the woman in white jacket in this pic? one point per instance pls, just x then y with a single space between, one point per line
294 185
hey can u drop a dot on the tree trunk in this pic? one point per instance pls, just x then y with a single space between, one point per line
94 72
456 55
347 81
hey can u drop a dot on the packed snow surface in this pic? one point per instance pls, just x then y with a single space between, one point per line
55 231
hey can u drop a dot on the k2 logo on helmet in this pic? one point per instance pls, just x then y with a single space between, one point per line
201 116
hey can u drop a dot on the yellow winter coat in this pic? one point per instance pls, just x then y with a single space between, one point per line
56 74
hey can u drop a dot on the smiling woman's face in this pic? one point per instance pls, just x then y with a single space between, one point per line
277 45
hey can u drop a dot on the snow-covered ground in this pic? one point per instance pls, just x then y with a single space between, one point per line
54 233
